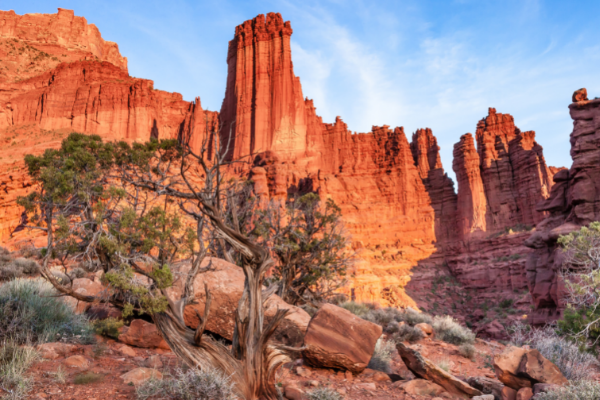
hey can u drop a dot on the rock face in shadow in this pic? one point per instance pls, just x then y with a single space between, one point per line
574 202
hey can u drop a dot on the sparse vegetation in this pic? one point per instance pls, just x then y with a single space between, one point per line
467 350
576 390
11 268
447 329
358 309
15 360
87 378
194 384
324 394
30 313
444 364
407 333
108 327
382 356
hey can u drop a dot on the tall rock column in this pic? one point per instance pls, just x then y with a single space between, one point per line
439 186
472 203
263 109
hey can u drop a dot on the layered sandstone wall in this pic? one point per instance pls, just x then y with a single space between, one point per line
61 34
574 202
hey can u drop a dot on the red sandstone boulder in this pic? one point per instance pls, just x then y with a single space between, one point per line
226 284
84 286
425 369
142 334
540 370
506 366
336 338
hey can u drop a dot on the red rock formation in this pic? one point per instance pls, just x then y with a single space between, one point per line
574 201
263 107
472 203
33 43
439 186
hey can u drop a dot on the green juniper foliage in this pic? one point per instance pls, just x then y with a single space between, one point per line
93 215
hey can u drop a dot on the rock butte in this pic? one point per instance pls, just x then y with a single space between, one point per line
398 203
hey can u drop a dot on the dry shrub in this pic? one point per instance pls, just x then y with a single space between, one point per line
382 356
467 350
324 394
15 360
450 331
576 390
194 384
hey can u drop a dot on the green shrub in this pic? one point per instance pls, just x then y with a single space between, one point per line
506 303
29 312
324 394
382 356
467 350
577 390
194 384
448 330
108 327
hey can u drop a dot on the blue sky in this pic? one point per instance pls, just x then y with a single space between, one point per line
436 64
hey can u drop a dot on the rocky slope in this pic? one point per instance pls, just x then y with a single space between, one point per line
398 204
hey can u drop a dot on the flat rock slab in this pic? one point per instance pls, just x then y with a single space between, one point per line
425 369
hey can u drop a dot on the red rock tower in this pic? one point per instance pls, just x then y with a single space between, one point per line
263 107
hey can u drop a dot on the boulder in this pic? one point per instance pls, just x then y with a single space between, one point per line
508 393
84 286
492 330
540 370
336 338
140 375
421 387
103 311
52 351
486 385
425 369
142 334
524 394
506 366
226 284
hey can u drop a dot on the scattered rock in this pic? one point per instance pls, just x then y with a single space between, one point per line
539 369
506 366
52 351
524 394
425 369
336 338
303 372
140 375
421 387
153 361
76 362
103 311
426 328
365 386
84 286
127 351
293 392
143 334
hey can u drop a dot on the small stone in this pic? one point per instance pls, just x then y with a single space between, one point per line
127 351
140 375
365 386
153 361
76 362
293 392
425 328
303 372
524 394
348 376
314 383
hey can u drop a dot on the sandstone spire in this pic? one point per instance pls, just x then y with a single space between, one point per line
263 108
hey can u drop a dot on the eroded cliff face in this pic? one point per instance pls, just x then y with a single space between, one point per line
574 202
397 202
33 43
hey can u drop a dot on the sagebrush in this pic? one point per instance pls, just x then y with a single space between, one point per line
31 312
450 331
194 384
576 390
15 360
324 394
